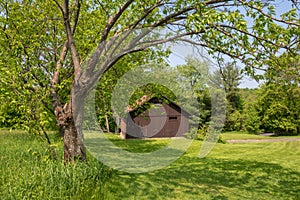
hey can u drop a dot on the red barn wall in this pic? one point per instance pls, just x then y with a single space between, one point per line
161 121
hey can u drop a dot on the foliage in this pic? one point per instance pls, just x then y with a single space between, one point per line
29 44
195 133
280 108
234 121
9 116
252 120
200 134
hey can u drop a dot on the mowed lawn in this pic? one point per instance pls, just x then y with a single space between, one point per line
230 171
235 135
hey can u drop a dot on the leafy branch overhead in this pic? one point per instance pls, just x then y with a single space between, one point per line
220 26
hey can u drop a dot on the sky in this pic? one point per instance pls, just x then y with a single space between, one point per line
181 51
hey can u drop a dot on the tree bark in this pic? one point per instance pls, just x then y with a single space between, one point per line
74 148
70 120
107 123
73 143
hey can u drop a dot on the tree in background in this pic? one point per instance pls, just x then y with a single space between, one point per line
228 77
210 99
47 51
251 120
279 109
194 74
280 96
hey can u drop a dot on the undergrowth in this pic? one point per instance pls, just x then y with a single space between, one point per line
29 171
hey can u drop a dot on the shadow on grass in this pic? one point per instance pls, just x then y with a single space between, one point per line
135 156
138 145
210 178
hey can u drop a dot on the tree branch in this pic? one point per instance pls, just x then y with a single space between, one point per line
146 13
269 16
114 19
71 42
58 5
213 47
56 103
55 77
252 35
102 6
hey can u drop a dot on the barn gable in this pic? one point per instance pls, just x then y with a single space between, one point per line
153 118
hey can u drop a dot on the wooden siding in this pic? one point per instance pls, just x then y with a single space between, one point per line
160 120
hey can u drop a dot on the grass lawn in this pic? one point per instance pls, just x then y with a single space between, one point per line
245 136
230 171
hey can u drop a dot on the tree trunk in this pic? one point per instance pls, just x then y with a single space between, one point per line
107 123
70 120
73 143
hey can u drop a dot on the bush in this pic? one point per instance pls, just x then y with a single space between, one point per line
252 120
234 121
201 134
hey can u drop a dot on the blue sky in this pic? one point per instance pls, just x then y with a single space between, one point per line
180 52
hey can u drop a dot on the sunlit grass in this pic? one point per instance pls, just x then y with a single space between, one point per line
28 171
230 171
245 136
138 145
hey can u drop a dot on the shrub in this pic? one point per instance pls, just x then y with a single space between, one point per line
201 134
252 120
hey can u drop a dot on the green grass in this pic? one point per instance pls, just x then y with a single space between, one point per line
245 136
137 145
230 171
27 171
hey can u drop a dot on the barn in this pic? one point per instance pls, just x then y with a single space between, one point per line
154 118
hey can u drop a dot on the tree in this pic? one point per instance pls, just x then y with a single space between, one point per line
280 94
279 100
194 74
231 76
228 77
250 119
51 50
279 108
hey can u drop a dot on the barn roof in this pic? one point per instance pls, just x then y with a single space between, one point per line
139 103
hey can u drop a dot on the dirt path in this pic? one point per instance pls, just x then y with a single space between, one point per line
264 140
